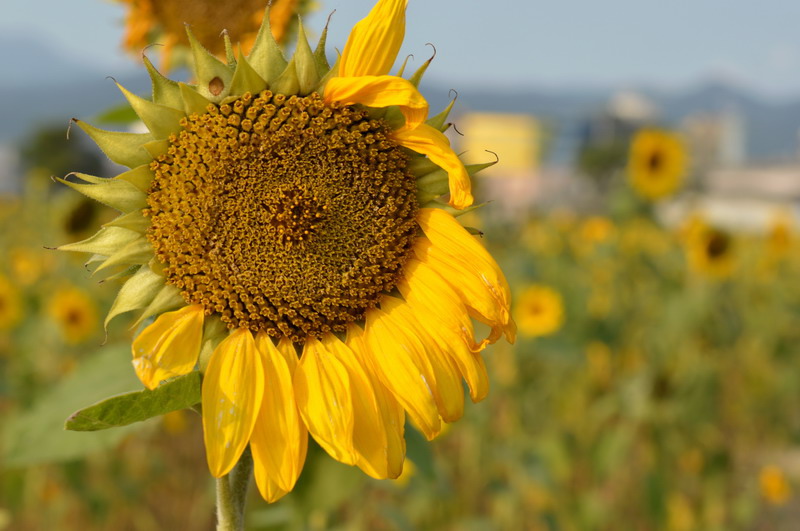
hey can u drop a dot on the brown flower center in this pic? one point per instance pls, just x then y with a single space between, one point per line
287 215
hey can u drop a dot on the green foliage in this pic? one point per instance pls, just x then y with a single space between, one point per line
37 435
181 393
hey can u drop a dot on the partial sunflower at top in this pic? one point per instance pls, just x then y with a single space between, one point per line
657 163
163 21
282 207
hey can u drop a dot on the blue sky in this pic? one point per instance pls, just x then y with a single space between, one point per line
519 42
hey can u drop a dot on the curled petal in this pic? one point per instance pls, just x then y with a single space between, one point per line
398 358
432 143
374 42
379 92
324 397
459 259
233 389
169 346
280 440
444 317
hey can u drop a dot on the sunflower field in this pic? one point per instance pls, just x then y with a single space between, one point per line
641 376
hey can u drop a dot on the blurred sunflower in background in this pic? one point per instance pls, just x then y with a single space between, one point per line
657 163
163 22
75 313
279 208
710 251
775 487
539 311
10 304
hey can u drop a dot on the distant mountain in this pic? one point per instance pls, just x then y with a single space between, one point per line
48 88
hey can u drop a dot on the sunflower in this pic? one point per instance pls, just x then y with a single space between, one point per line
656 163
282 223
710 251
539 311
75 313
10 304
149 21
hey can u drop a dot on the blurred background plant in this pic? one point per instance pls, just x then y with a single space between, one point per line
651 253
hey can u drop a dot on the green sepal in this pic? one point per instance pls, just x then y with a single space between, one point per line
156 148
208 68
214 331
266 56
122 148
402 68
288 82
246 79
229 55
119 195
393 117
320 57
165 91
104 242
440 120
134 221
193 101
305 63
179 393
333 72
123 275
169 298
436 183
161 120
137 252
140 177
136 293
417 77
420 166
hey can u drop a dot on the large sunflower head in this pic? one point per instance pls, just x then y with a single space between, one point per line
656 163
149 21
282 207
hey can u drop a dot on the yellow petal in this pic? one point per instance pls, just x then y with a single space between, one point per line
447 388
398 358
379 92
432 142
169 346
286 348
463 262
233 388
280 439
369 432
374 42
394 417
445 318
324 397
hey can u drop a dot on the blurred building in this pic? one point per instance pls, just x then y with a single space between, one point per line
716 139
516 139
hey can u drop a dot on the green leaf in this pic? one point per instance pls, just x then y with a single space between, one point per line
181 393
37 435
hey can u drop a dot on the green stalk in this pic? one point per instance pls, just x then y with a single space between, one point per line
232 494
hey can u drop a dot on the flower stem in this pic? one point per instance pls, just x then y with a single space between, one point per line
232 494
